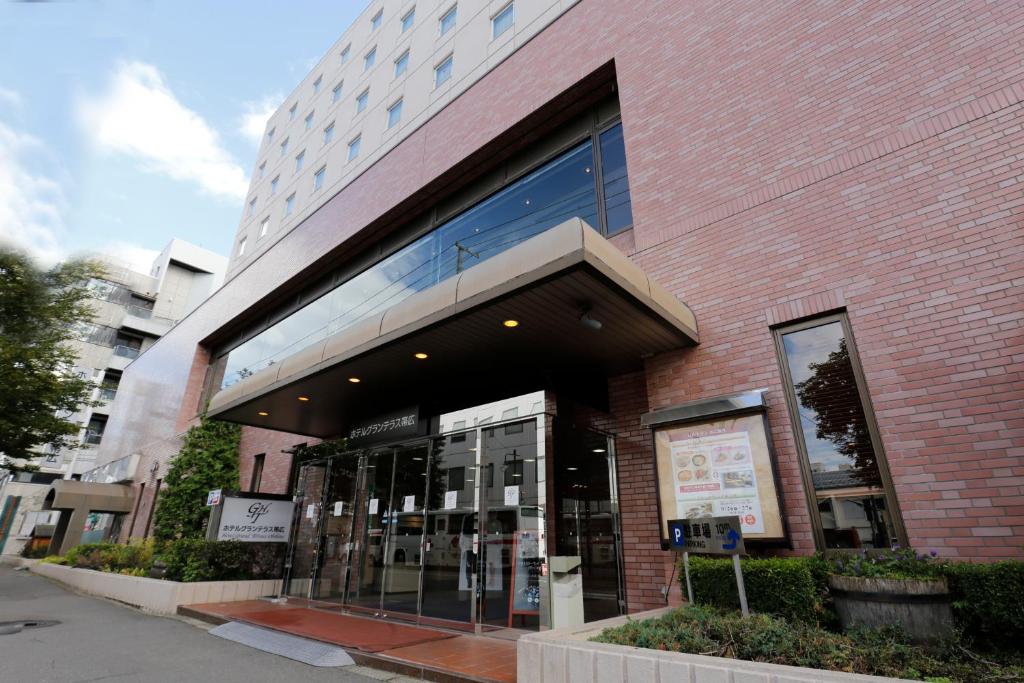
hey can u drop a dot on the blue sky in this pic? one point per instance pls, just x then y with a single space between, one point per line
123 124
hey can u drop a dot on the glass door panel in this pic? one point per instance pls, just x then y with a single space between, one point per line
404 531
374 510
306 529
338 517
448 565
512 506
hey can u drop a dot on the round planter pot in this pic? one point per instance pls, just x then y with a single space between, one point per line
921 607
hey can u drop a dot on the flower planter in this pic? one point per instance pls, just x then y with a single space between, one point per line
920 606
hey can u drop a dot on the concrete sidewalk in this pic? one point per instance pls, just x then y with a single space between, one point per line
98 640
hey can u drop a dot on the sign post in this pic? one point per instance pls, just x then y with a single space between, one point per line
711 536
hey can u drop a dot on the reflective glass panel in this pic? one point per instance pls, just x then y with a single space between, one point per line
618 207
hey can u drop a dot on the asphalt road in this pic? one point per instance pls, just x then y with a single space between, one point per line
99 640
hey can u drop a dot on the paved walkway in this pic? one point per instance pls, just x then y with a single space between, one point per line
99 640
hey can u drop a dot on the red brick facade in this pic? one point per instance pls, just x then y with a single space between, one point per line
785 160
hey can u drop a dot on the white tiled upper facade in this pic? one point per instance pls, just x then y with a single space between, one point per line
407 49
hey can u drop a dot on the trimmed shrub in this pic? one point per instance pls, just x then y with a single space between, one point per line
764 638
194 559
988 602
111 557
794 588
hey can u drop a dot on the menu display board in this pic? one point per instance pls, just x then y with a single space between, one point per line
526 572
718 467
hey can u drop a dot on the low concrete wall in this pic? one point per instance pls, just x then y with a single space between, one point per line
16 561
155 595
564 655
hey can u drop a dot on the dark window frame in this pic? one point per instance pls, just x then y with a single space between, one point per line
887 490
256 477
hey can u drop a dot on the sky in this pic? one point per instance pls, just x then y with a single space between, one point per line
126 123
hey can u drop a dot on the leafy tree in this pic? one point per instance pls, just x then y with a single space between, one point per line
208 460
40 312
831 393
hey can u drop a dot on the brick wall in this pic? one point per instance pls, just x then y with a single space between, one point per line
276 465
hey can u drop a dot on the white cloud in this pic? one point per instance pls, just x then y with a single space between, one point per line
253 122
132 256
140 117
31 204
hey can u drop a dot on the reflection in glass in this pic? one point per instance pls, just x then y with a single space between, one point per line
374 512
339 514
618 206
305 530
844 465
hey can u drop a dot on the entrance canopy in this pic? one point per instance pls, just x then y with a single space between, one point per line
560 309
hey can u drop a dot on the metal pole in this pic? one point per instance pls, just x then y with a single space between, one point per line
740 586
686 570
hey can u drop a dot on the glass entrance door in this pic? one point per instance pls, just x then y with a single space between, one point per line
404 533
338 515
374 510
305 546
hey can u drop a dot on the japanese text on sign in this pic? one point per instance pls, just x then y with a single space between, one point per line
714 536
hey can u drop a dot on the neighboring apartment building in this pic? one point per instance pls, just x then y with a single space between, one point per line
131 311
706 258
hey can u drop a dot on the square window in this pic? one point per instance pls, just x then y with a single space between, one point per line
300 158
270 135
264 226
316 85
443 71
284 146
394 113
370 59
402 64
362 100
408 20
353 147
503 20
291 112
375 21
289 204
262 170
328 134
252 205
336 93
318 178
273 185
241 247
447 20
346 52
309 120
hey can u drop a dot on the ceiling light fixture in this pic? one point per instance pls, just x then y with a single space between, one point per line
599 450
587 321
421 355
303 398
354 380
572 469
263 413
511 323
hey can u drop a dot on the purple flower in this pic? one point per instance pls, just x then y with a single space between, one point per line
933 553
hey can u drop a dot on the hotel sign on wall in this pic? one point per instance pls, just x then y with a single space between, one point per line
255 520
714 461
399 424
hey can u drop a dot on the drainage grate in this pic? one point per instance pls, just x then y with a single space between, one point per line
283 644
9 627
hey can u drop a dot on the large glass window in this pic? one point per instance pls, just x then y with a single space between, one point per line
836 433
561 189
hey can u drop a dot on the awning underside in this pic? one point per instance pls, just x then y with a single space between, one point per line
544 284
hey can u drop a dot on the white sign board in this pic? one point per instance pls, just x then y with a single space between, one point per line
255 520
409 504
451 500
310 511
338 508
511 495
213 497
373 506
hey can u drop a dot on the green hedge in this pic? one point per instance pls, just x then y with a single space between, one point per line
793 588
192 559
988 602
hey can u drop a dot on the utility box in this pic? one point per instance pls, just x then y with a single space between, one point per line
566 583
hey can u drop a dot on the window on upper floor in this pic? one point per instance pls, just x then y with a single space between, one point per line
241 247
291 111
362 100
264 226
284 146
447 21
402 64
846 477
407 19
252 205
503 20
346 52
309 120
376 19
262 170
370 58
443 71
273 185
618 207
329 134
270 135
318 178
353 147
300 159
336 93
289 204
394 113
316 84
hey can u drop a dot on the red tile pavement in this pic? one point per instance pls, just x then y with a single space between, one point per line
474 657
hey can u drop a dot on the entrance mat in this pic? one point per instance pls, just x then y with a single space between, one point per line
366 635
300 649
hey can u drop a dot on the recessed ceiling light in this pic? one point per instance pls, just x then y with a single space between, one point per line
417 458
599 450
263 413
421 356
303 398
572 469
529 459
354 380
511 323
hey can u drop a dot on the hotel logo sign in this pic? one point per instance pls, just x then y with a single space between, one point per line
393 426
255 520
